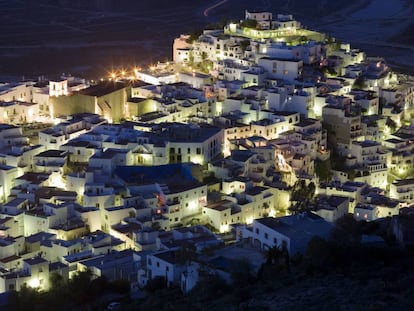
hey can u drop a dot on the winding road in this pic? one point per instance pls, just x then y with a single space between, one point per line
206 11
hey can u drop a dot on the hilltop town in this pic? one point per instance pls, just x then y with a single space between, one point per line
258 135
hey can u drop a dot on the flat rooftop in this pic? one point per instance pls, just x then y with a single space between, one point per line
102 89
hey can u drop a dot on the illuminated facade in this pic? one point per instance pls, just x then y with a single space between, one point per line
291 233
258 122
240 207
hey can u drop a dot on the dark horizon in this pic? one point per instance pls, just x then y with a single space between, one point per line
91 39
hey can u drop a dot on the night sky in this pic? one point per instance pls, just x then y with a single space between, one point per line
91 37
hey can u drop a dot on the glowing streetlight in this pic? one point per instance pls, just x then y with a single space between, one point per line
34 283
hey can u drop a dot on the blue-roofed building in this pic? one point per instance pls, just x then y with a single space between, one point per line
131 175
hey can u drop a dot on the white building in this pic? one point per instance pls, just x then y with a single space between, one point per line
20 91
277 68
403 190
290 232
332 208
168 265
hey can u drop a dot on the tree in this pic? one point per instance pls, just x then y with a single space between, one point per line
347 231
241 272
56 281
210 285
278 256
194 35
249 23
191 58
58 292
25 299
155 284
391 125
323 170
359 83
244 44
302 195
79 287
318 253
338 44
273 255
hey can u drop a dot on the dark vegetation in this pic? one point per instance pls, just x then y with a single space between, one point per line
302 196
336 274
340 273
80 293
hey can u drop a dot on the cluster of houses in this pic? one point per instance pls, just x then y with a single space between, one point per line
144 178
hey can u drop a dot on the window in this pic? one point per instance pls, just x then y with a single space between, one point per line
266 236
257 231
198 150
158 264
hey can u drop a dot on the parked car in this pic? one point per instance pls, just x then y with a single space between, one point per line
113 306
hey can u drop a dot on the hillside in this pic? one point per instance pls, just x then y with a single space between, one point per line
367 284
90 38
